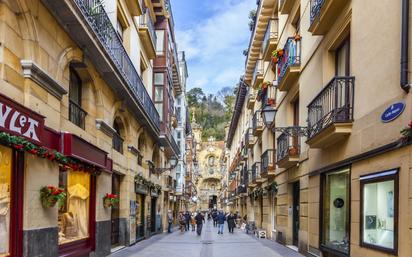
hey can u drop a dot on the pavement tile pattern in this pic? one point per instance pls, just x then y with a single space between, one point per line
209 244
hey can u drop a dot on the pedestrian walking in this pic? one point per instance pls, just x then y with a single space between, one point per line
187 220
220 219
170 221
199 222
182 221
214 216
193 221
231 222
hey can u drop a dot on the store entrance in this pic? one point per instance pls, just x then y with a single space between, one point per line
140 213
115 212
153 215
296 193
212 202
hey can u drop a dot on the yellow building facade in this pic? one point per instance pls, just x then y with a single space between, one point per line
317 134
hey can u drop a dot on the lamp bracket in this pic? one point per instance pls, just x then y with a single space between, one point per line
292 130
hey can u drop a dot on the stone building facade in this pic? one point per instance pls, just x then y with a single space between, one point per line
79 76
315 133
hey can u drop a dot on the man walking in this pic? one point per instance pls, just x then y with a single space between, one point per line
214 216
199 222
220 222
231 222
170 221
187 220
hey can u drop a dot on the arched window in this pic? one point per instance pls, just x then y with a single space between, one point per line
117 139
76 114
141 148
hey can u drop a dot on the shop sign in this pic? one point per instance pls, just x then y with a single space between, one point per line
393 112
20 121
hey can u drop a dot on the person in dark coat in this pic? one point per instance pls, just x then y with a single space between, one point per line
220 219
214 216
187 220
199 222
231 222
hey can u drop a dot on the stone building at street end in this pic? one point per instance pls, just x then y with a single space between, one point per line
320 139
87 124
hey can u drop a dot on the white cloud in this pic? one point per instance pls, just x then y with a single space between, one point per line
214 45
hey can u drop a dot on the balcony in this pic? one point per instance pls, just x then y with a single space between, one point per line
91 28
270 41
135 7
117 143
288 150
256 173
244 153
268 163
241 191
323 14
251 183
257 77
289 64
76 114
285 6
147 34
330 114
250 139
169 183
251 98
257 123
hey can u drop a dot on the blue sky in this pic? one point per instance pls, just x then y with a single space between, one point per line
213 33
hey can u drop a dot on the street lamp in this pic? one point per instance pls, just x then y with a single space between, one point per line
268 115
172 161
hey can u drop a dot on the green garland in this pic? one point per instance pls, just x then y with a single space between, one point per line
21 144
273 187
139 179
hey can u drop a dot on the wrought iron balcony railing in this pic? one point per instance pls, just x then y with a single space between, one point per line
271 32
315 6
268 160
334 104
257 122
99 21
77 115
288 145
258 71
249 137
146 21
256 171
117 143
241 189
290 57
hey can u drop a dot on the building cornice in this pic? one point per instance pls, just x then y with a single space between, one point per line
105 127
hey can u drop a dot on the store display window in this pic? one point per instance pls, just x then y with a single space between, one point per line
335 211
74 213
5 185
379 194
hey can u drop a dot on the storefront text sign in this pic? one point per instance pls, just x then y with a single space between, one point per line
393 112
18 120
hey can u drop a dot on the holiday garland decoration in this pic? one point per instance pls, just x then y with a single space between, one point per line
407 132
273 187
50 195
139 179
21 144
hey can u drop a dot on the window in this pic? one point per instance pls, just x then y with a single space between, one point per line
159 93
159 78
342 59
159 108
76 114
119 29
179 134
335 211
73 218
379 209
5 200
160 35
117 139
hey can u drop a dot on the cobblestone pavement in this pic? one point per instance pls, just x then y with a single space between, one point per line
209 244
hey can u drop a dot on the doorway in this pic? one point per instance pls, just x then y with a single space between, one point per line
295 213
212 202
115 212
140 213
153 215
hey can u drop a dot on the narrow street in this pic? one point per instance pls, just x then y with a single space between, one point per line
210 244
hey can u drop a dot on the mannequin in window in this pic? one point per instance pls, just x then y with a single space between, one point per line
78 196
4 217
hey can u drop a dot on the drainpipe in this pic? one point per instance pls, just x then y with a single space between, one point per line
405 46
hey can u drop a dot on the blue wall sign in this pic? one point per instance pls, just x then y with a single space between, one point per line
393 112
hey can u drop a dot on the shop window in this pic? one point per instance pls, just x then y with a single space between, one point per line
76 114
5 185
379 209
335 211
73 219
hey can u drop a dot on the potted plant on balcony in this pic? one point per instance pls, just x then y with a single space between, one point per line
110 200
293 151
271 101
406 133
50 195
298 37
